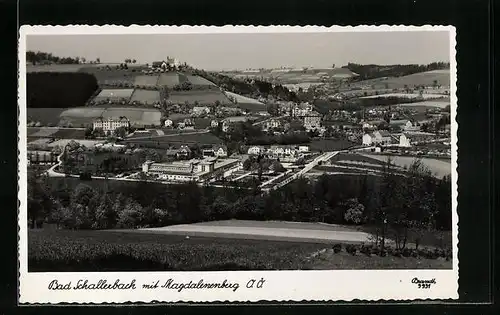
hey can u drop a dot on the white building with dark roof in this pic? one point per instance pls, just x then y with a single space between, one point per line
110 124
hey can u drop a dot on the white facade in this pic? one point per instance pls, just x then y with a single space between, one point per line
404 141
367 139
214 123
110 124
255 150
169 123
312 121
303 148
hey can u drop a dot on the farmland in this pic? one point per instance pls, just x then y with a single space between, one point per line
247 103
423 78
183 138
146 80
114 94
199 81
146 96
56 133
45 116
408 95
54 68
439 168
137 116
170 79
329 145
77 251
441 103
203 97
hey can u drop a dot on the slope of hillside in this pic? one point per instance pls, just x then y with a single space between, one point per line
428 78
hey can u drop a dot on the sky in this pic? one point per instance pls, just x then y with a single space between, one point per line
231 51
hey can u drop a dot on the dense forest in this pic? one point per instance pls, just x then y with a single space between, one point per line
249 87
378 71
59 89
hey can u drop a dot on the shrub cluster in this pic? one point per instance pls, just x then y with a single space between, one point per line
371 250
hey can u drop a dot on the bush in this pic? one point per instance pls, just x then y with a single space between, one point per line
351 249
337 248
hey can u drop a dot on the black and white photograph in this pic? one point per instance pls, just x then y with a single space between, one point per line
248 150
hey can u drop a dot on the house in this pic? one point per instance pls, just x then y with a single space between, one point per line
184 152
255 150
303 148
110 124
220 151
373 124
271 124
215 151
312 120
159 65
168 123
214 123
379 137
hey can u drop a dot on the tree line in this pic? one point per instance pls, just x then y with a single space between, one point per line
248 87
372 71
43 57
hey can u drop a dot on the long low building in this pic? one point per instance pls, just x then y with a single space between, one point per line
191 170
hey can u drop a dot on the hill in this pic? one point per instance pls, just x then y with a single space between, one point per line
427 78
372 71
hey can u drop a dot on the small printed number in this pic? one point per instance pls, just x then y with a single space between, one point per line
424 285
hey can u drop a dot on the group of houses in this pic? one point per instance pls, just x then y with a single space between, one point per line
404 139
283 153
199 170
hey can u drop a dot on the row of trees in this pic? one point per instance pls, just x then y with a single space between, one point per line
43 57
378 71
250 87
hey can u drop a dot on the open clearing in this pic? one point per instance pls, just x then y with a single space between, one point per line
439 168
281 231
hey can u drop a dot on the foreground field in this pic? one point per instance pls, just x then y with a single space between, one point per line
77 251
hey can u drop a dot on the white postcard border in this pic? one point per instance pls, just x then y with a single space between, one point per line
335 285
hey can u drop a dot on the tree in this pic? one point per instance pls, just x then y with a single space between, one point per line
98 60
120 132
354 211
134 61
131 215
39 201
